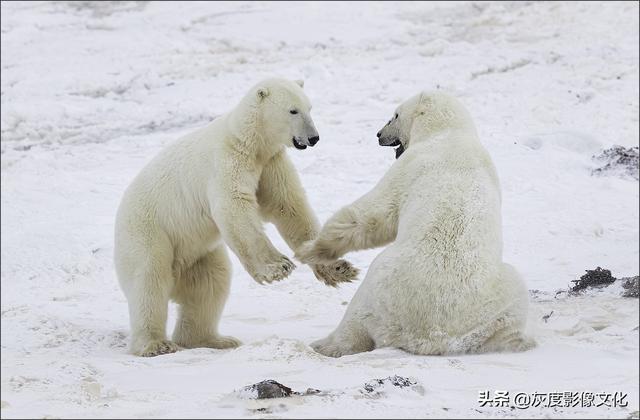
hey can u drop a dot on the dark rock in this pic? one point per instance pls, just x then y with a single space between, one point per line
618 159
268 389
272 389
398 381
600 278
631 286
594 278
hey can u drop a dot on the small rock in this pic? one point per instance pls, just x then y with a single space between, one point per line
272 389
397 381
631 286
594 278
600 278
268 389
618 159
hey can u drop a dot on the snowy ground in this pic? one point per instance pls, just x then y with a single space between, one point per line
90 92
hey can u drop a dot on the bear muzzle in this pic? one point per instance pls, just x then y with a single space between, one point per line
391 142
386 141
301 145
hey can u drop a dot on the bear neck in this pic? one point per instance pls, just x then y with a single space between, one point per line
246 126
433 126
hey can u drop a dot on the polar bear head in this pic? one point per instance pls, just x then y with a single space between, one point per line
284 113
422 116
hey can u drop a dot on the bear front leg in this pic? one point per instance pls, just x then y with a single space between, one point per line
252 247
369 222
236 214
283 202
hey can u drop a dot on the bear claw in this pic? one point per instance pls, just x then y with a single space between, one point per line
276 272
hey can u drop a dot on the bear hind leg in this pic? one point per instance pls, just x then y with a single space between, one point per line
147 291
508 340
201 292
348 338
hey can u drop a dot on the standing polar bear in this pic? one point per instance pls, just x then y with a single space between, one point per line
441 287
210 188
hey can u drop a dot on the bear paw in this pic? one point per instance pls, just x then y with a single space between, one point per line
275 271
522 343
223 342
158 347
326 347
210 341
335 273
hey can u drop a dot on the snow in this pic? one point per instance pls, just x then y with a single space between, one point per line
92 91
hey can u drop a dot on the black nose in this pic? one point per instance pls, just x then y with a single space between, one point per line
314 140
379 134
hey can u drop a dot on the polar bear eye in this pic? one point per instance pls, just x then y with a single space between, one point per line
396 116
293 111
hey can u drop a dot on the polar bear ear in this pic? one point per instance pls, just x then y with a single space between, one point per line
262 93
423 104
300 82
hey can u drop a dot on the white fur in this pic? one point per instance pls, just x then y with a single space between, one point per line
213 187
441 287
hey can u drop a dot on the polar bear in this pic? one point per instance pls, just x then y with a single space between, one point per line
441 287
215 187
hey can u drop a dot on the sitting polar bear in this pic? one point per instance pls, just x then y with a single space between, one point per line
210 188
441 287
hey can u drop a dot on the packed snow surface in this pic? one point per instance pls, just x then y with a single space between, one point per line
92 91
